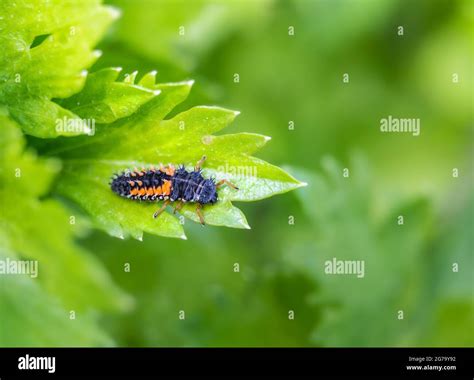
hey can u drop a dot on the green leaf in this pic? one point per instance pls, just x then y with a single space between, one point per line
145 138
104 100
30 317
32 74
344 225
41 230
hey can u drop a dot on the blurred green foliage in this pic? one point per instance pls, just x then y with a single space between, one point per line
71 278
298 78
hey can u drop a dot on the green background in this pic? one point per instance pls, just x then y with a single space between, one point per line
299 78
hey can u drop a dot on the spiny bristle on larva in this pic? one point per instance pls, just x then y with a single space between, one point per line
144 184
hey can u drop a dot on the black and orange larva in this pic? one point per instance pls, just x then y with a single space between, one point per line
169 184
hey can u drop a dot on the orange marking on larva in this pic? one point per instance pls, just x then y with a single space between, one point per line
142 192
170 170
131 183
134 191
158 191
166 188
138 172
149 191
133 174
140 183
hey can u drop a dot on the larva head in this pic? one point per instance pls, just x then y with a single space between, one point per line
208 192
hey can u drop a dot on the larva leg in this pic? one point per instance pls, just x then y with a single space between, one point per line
199 163
157 213
199 214
178 207
225 182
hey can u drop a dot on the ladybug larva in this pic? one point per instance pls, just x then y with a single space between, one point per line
169 184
